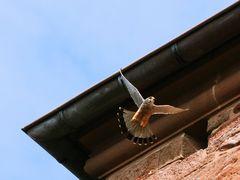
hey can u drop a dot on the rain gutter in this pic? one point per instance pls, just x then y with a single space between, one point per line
51 130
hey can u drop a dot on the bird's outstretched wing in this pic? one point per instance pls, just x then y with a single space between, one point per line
167 109
133 91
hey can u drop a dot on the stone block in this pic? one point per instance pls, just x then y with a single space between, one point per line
174 149
230 112
220 160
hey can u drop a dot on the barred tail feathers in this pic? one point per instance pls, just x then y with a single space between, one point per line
124 115
134 131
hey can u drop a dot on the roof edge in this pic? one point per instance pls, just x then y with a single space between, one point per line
170 44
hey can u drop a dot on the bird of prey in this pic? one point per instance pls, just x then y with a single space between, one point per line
136 124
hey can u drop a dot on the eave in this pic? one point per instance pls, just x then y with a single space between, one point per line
198 70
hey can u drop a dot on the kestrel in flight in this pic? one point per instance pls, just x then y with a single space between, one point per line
136 124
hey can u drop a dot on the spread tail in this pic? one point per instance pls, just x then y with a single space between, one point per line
133 130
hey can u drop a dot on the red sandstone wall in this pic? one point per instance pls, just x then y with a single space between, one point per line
220 160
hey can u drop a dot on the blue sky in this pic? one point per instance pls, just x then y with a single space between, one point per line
51 51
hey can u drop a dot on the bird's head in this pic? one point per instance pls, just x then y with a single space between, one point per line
151 99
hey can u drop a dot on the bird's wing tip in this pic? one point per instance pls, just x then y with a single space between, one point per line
120 71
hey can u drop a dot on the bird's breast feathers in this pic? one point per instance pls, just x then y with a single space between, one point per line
143 114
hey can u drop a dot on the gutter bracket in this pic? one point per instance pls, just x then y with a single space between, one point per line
177 54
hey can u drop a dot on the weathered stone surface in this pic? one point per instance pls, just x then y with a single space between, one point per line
226 137
221 160
215 121
221 117
177 148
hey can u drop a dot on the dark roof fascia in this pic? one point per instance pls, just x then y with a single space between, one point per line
51 130
176 49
